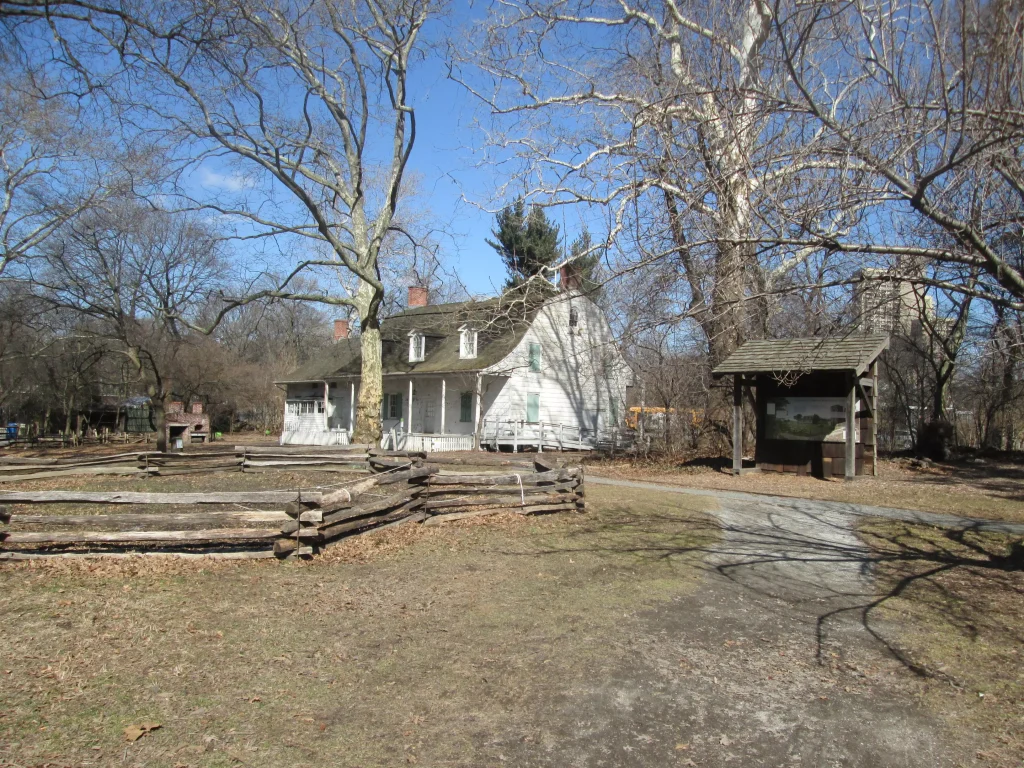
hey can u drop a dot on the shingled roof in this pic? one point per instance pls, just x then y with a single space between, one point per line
854 353
499 322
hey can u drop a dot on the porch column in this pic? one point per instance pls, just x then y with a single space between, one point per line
327 407
408 416
851 421
477 392
444 397
737 425
352 409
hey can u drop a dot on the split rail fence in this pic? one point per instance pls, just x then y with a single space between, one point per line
154 463
402 488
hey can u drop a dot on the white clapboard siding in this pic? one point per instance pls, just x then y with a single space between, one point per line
582 372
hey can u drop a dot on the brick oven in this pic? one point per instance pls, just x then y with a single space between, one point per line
186 427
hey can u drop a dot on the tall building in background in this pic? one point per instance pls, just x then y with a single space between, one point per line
887 302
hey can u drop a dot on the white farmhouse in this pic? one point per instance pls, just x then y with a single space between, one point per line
506 371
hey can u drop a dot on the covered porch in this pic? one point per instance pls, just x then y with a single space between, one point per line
433 412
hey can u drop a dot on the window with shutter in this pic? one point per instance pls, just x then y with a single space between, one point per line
466 407
533 407
535 357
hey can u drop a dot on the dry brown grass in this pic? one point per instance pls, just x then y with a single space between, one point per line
413 645
955 611
989 489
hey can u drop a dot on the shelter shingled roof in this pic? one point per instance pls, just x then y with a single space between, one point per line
854 353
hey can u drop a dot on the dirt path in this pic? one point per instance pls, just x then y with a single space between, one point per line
776 660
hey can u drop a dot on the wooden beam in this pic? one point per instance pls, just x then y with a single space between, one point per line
874 418
135 497
144 520
208 536
866 400
260 554
851 432
737 424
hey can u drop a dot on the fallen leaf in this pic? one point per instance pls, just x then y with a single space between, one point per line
680 747
136 732
725 741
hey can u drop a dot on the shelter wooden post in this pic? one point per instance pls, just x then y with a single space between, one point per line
874 418
851 427
737 424
444 398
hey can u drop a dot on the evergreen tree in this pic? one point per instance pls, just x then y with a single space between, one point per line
585 266
526 241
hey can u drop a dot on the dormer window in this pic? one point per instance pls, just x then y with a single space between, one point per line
417 347
467 343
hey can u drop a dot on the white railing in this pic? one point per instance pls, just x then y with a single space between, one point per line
300 435
541 434
414 441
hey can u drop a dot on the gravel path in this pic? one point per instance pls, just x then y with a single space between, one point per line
776 660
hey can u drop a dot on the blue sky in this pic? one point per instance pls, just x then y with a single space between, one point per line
447 148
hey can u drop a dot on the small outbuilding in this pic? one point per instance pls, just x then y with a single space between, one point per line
815 401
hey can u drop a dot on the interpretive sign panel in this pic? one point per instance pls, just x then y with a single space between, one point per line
814 419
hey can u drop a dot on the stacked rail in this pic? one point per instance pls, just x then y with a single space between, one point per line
217 524
408 488
402 488
154 463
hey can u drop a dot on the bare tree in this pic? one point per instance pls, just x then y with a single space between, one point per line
925 101
669 113
54 164
132 275
306 107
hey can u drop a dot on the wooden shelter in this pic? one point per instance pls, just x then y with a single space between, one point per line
815 402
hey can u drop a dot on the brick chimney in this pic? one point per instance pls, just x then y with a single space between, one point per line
197 409
418 296
340 330
568 278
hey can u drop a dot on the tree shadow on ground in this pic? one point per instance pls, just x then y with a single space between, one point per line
805 553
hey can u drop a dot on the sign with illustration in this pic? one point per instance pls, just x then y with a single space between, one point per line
814 419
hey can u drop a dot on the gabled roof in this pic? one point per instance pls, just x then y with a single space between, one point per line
854 353
499 322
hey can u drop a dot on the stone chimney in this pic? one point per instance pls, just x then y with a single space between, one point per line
418 296
197 409
340 330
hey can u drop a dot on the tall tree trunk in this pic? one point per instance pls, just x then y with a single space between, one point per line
158 409
371 387
371 384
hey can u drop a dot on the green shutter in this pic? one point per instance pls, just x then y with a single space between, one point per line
466 407
533 408
396 402
534 357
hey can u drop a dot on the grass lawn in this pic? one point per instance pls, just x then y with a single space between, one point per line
430 645
957 601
